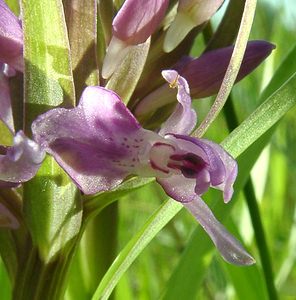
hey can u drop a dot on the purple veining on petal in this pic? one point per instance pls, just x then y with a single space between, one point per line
11 38
5 101
183 119
20 162
138 19
230 248
216 166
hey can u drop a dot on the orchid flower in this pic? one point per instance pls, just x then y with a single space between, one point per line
134 24
99 143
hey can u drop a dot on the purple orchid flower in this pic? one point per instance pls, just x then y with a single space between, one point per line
99 143
134 24
11 38
20 162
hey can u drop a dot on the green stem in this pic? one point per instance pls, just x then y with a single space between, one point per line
37 280
232 123
260 239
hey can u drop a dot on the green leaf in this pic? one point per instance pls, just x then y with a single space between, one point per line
263 118
52 209
48 74
126 257
228 27
51 201
282 74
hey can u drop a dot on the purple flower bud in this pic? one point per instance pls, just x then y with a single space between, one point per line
134 24
138 19
11 38
205 74
190 14
99 143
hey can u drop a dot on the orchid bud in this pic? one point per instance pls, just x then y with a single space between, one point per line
189 15
133 25
11 38
205 74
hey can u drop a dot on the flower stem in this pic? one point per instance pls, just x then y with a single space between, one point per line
232 123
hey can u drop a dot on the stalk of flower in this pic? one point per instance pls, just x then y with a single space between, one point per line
105 144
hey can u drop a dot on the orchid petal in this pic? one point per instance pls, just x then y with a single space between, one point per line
11 38
97 143
179 188
222 167
183 119
230 248
20 162
7 219
5 102
138 19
